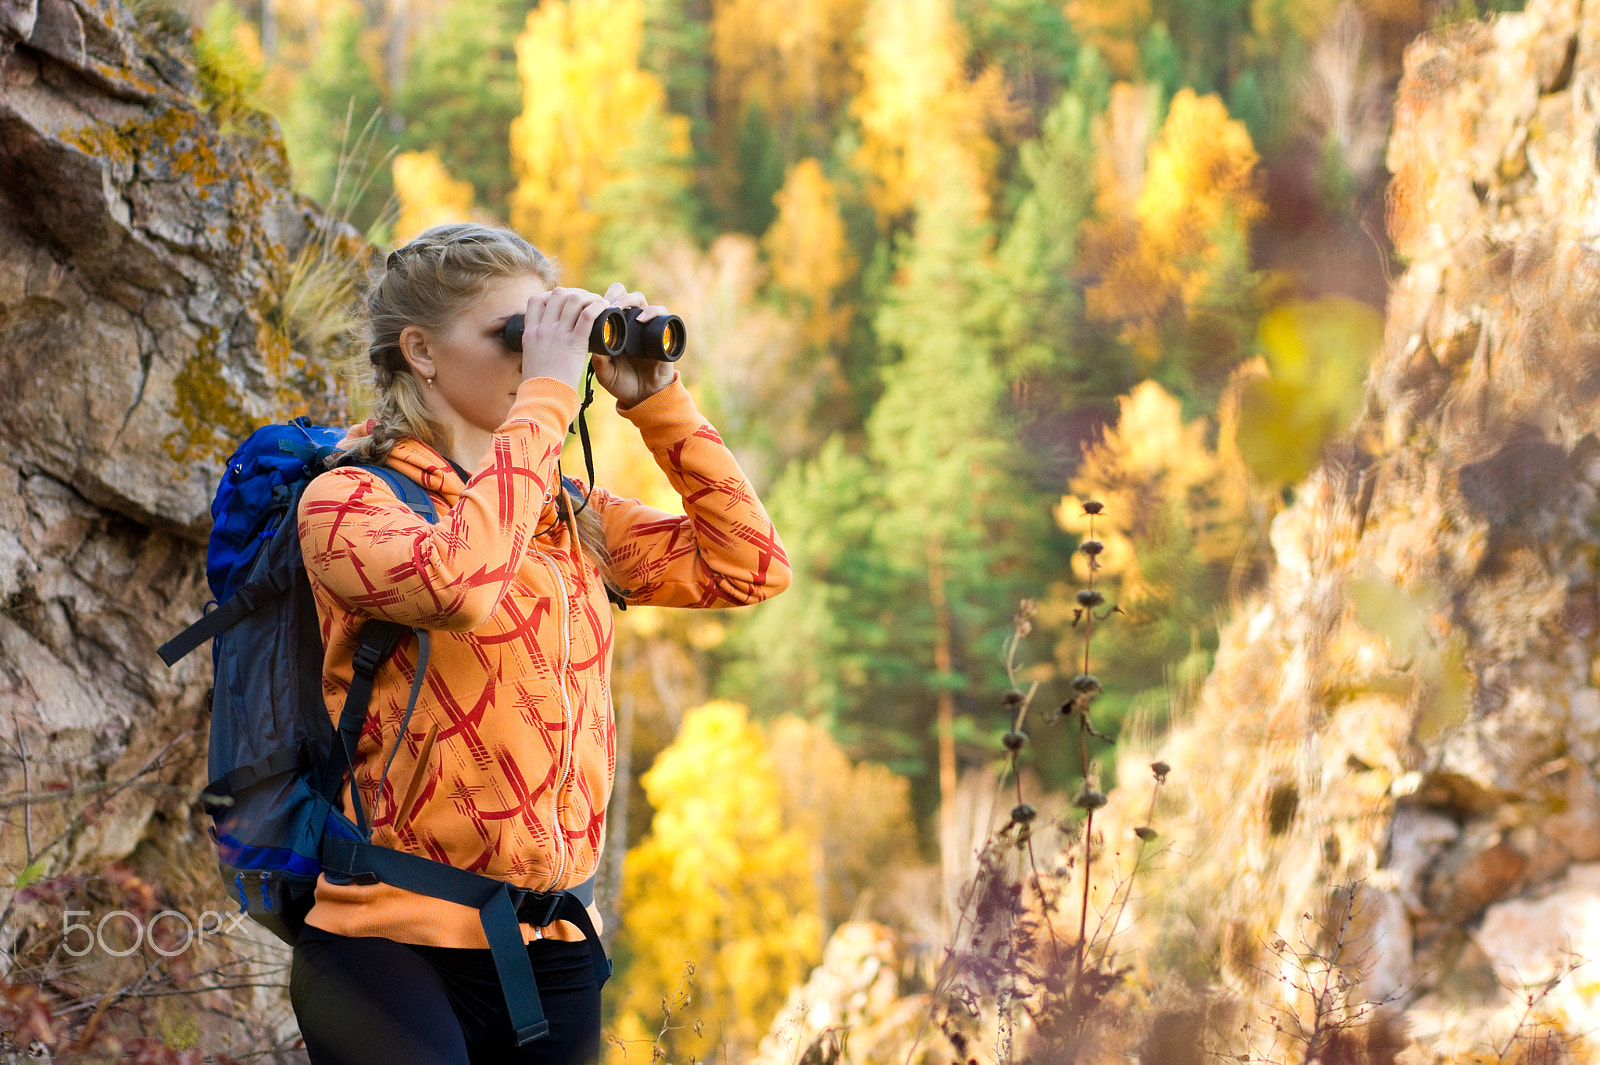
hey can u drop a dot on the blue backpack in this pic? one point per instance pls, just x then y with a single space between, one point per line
277 763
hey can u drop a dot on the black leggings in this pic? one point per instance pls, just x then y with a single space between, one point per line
376 1001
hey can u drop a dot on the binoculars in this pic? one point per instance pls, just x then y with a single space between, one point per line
618 331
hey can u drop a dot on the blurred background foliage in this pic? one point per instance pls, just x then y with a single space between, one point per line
951 268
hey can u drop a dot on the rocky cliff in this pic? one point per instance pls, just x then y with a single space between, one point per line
153 282
1412 709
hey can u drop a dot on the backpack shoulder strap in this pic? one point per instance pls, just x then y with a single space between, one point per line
410 492
377 639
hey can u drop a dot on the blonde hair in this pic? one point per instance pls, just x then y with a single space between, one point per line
427 282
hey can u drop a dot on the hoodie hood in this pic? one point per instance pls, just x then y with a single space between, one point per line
415 460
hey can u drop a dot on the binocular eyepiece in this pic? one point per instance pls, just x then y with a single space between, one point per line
618 331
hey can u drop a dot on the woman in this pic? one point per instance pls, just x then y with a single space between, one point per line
506 763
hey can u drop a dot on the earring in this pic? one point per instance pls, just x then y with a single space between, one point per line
430 381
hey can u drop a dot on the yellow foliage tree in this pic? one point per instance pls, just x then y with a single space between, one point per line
428 195
809 251
591 120
1188 224
1199 180
1184 531
1153 467
720 884
794 59
855 816
923 121
1115 27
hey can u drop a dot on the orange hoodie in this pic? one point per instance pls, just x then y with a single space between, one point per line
506 765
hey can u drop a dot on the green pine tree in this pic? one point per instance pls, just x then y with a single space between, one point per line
828 646
1031 41
337 130
1161 62
461 93
677 50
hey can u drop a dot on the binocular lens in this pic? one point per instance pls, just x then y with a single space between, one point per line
664 338
618 332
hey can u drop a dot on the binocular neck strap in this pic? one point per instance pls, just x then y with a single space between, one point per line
583 438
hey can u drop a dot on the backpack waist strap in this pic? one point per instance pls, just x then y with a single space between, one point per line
501 907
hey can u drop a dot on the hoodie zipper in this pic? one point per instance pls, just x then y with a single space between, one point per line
565 765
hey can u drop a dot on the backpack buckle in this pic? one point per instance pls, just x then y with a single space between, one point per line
537 908
367 658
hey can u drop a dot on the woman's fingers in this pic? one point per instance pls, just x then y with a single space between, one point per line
531 319
548 307
555 339
587 314
619 296
572 304
561 308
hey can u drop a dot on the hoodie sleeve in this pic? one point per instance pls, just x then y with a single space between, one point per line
369 550
724 551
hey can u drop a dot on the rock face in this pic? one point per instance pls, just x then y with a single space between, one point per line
148 279
1422 673
854 1007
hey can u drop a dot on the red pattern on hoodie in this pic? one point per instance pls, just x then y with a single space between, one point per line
507 762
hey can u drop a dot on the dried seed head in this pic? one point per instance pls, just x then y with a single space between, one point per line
1014 741
1089 799
1093 507
1091 547
1086 684
1089 599
1146 833
1023 813
1011 700
1160 769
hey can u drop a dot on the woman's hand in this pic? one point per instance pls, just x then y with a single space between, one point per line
632 380
555 334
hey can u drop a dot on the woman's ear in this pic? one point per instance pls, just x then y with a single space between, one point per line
414 348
